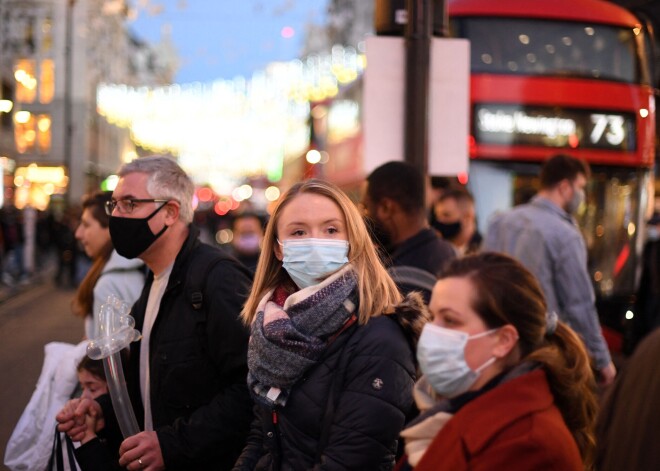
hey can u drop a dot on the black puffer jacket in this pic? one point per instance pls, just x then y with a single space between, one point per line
356 400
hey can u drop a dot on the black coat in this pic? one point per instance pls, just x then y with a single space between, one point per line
359 395
424 250
200 405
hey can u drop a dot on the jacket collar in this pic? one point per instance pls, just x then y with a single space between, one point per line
547 205
183 257
521 396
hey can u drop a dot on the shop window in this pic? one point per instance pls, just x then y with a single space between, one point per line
46 35
26 82
47 81
32 132
43 133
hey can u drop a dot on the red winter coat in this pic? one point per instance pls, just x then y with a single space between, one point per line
514 427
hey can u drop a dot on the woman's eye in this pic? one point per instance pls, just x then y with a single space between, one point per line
333 230
299 232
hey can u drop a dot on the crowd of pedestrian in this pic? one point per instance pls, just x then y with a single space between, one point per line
346 336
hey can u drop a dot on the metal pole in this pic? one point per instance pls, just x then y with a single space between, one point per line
68 83
418 34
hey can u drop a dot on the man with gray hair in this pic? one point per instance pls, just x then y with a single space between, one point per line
187 374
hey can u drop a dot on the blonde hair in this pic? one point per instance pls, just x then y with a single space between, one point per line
377 292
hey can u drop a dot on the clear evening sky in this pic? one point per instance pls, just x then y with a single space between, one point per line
225 38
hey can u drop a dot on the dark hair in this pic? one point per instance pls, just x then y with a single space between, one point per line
461 195
507 293
83 302
248 215
562 167
441 183
399 181
95 367
628 421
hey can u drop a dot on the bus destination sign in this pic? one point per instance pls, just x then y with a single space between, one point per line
553 127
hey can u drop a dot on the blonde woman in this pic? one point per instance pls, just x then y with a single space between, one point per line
331 353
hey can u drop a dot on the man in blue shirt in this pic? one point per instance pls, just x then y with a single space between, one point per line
544 236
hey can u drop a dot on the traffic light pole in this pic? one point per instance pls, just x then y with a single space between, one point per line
418 33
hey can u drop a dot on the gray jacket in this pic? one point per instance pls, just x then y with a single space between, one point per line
547 241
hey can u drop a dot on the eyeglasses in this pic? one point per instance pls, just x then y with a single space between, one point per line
128 205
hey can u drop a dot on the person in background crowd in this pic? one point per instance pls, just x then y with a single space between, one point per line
394 200
647 314
186 376
11 223
455 220
110 273
64 227
544 236
435 188
627 431
504 385
248 234
330 367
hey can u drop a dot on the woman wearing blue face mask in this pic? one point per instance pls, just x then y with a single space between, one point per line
331 355
505 385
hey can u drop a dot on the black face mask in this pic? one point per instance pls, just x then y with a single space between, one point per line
132 236
448 230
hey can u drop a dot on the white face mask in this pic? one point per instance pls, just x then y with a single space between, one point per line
308 261
441 356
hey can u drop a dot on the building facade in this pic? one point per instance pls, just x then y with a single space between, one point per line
53 55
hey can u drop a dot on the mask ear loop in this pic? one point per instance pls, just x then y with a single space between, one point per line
492 359
485 365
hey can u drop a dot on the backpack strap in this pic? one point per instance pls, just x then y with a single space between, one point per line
198 272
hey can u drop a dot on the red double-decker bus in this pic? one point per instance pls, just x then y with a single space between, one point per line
570 76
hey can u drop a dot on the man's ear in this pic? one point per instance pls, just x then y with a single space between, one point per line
172 210
386 207
507 340
565 186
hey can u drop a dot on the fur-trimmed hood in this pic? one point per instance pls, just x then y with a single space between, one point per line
411 314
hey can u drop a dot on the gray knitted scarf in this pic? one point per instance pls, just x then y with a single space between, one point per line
287 340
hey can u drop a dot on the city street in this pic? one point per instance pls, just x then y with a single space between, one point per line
28 321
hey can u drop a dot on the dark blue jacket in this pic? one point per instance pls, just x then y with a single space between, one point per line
370 370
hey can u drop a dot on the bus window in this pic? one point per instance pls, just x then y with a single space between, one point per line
550 48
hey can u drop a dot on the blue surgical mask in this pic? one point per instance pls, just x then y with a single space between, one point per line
441 356
309 261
